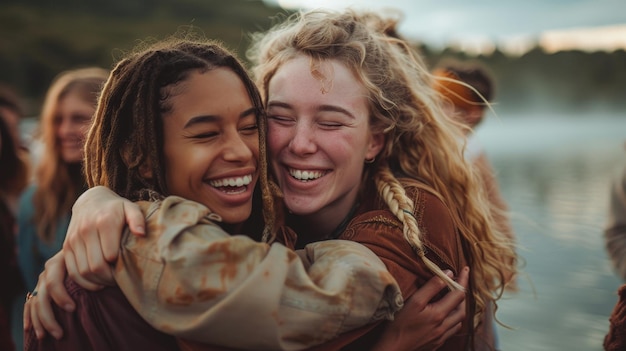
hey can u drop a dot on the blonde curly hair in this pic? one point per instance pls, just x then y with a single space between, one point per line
420 140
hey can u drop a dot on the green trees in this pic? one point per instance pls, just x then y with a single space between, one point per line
40 38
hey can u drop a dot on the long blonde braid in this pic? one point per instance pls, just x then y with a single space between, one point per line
394 195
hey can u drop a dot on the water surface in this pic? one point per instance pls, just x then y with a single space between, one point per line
554 172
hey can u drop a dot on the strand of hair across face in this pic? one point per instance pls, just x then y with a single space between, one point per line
402 207
267 191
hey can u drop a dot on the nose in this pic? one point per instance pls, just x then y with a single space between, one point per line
64 127
236 149
302 141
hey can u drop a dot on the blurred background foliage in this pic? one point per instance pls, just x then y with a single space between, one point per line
40 38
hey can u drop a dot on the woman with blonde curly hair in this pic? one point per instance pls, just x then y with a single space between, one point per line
370 143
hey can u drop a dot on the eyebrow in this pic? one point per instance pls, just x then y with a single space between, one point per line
212 118
321 108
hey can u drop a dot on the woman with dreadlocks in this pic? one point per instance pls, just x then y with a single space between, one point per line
179 128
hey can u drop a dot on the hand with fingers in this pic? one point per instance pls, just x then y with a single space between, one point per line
91 245
422 325
99 217
38 312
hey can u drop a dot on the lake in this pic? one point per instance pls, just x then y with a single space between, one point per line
554 171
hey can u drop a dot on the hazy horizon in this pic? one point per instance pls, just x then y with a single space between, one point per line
479 26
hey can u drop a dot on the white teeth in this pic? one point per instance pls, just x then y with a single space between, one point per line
305 175
237 181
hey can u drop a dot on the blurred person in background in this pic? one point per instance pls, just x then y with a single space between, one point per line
615 239
467 89
13 179
14 172
615 340
615 231
45 206
12 112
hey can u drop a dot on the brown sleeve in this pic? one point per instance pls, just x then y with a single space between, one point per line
103 321
615 340
380 231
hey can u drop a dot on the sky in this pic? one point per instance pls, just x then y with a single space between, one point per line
512 25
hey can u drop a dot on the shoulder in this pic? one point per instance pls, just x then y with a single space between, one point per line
424 198
437 227
431 212
26 210
177 209
171 221
26 198
429 209
381 228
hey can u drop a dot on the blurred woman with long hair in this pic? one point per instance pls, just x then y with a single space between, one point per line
45 206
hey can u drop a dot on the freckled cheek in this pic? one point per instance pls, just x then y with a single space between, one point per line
341 145
277 139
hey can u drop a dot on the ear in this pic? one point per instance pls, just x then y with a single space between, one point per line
376 143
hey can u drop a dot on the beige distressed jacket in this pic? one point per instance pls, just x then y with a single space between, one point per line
189 278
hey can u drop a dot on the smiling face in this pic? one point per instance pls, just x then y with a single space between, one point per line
211 143
71 124
319 137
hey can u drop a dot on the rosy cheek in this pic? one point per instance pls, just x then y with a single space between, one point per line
274 140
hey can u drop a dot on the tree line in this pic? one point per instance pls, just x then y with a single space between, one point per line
40 38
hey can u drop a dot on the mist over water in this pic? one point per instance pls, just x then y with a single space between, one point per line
551 133
555 171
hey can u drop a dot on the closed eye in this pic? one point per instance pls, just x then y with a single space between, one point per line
280 119
251 129
331 124
206 135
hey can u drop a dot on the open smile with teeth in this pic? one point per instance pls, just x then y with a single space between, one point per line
306 176
235 184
